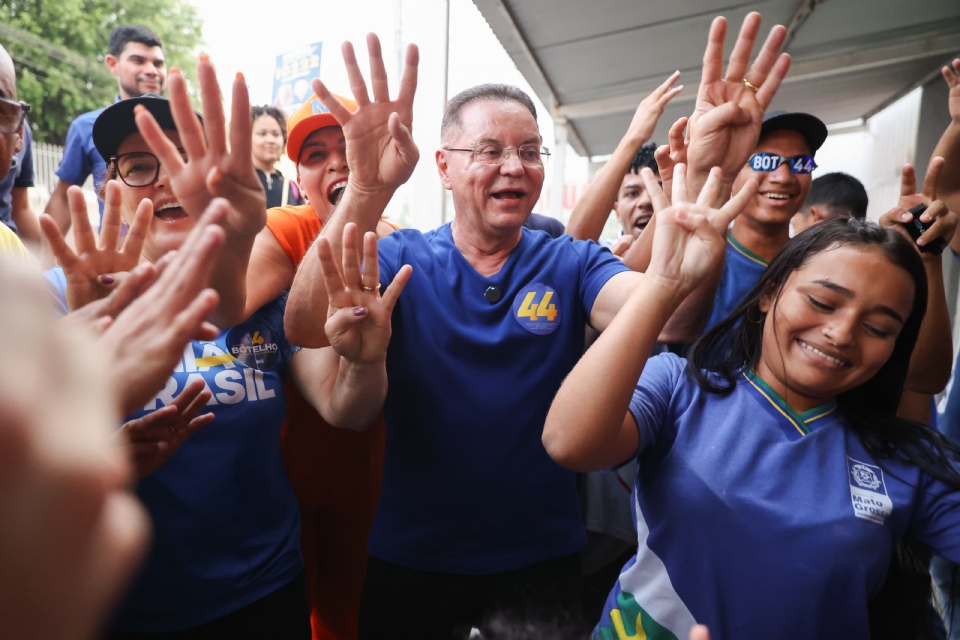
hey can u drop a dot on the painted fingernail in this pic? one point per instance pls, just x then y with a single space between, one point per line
240 75
174 71
204 57
106 279
360 311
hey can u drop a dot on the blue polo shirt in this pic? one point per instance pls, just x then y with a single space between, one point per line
80 156
467 486
741 270
226 526
760 522
19 177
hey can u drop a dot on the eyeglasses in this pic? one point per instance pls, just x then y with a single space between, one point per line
766 162
12 114
531 155
139 168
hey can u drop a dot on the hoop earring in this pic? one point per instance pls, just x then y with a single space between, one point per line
760 315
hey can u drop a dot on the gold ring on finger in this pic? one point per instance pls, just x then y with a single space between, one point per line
750 85
371 288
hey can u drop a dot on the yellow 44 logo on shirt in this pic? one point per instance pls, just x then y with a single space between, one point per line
537 308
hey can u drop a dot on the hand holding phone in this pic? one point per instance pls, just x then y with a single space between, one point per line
917 228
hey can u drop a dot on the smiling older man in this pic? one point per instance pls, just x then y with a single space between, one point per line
474 516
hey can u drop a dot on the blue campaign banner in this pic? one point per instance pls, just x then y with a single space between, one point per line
292 75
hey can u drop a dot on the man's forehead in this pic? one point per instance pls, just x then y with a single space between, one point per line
497 120
785 142
632 180
142 50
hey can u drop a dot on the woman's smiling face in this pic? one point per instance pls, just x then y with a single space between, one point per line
833 325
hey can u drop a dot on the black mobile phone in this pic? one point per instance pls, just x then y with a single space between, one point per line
916 228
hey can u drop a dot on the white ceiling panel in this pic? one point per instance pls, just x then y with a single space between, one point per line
592 62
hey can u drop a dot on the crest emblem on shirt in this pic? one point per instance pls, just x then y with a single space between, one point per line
537 308
868 491
256 348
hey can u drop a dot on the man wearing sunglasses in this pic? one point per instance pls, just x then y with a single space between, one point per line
782 163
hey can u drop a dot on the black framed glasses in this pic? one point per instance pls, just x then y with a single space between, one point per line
492 154
12 114
766 162
139 168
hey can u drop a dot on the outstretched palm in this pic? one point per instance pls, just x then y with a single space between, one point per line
358 318
211 169
83 269
380 148
689 239
725 124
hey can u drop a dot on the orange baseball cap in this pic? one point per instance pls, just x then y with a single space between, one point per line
311 115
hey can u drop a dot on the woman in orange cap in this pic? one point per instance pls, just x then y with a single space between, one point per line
336 473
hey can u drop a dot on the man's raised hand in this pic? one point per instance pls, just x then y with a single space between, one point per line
725 124
381 153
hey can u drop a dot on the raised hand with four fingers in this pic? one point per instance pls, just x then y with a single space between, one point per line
358 318
725 124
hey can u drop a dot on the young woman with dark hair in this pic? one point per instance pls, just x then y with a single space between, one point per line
269 142
775 480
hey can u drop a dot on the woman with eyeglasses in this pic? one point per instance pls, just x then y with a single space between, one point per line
225 559
775 478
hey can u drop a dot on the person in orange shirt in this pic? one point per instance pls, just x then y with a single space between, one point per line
336 473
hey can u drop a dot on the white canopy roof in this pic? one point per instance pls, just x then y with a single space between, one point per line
593 61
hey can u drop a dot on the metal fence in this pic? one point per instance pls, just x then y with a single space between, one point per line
46 159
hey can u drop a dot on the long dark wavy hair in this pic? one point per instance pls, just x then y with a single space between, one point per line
870 409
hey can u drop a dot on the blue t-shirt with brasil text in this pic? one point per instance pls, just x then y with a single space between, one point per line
226 526
758 522
467 486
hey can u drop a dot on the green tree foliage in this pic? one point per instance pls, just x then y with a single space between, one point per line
59 47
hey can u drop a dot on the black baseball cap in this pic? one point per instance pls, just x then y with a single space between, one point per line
116 122
810 127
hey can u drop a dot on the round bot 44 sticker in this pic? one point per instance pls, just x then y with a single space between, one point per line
537 309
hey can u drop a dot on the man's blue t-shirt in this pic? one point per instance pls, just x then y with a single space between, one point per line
759 522
226 526
80 156
538 222
467 486
741 270
19 177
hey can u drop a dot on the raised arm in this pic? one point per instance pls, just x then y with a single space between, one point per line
347 382
381 156
948 147
932 356
725 125
213 169
588 426
593 208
